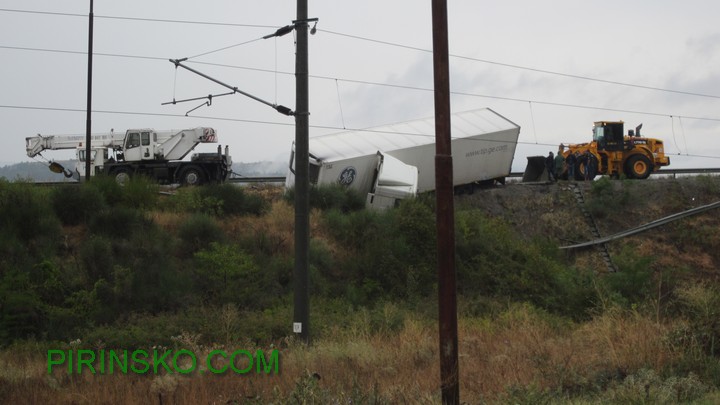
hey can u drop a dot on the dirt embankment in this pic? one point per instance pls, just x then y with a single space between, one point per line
551 211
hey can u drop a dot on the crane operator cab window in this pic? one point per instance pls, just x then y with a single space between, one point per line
133 140
146 138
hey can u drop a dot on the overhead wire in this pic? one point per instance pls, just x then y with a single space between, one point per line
160 20
398 86
260 122
388 43
537 70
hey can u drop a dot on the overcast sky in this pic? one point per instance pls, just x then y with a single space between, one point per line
552 67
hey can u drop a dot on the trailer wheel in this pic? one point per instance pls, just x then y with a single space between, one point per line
192 176
122 175
638 167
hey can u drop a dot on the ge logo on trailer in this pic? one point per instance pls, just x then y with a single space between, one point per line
347 176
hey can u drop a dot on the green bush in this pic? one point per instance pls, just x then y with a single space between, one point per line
224 274
647 387
492 261
198 232
219 200
389 253
607 196
96 255
141 193
119 222
108 187
27 214
334 196
632 283
231 199
77 204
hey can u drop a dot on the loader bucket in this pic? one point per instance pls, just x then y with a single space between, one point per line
535 170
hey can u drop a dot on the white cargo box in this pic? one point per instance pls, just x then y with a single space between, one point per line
483 146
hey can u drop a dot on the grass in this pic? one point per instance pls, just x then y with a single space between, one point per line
522 355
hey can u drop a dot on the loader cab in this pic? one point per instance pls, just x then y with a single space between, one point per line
609 135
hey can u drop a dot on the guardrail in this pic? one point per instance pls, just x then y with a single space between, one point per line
670 172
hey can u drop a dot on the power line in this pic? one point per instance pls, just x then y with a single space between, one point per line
387 43
397 86
324 127
550 72
140 19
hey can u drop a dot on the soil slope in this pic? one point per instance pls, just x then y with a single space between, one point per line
552 211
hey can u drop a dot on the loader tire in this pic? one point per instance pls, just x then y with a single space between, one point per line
192 176
638 167
580 168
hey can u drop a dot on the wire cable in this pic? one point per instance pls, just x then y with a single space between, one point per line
139 19
285 124
397 86
387 43
531 69
224 48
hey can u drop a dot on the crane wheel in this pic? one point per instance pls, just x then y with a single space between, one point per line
122 175
192 176
638 167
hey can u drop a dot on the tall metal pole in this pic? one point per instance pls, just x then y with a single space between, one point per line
445 214
88 121
301 316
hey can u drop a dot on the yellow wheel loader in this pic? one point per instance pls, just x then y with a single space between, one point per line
611 153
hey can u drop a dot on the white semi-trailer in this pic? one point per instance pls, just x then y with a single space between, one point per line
397 161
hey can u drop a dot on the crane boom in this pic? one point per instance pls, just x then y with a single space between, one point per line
34 145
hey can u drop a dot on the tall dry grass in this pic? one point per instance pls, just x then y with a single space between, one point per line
522 347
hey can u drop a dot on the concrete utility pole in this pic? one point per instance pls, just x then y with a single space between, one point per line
445 211
301 303
88 121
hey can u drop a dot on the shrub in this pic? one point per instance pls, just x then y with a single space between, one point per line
233 200
225 274
700 303
97 258
606 198
75 205
119 222
108 187
219 200
199 231
492 261
633 283
334 196
27 216
140 192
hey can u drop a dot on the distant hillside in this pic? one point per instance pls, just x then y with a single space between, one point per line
265 168
34 171
39 172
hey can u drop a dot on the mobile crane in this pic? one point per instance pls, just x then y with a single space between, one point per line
155 154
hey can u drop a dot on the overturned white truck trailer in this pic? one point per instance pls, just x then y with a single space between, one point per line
397 161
